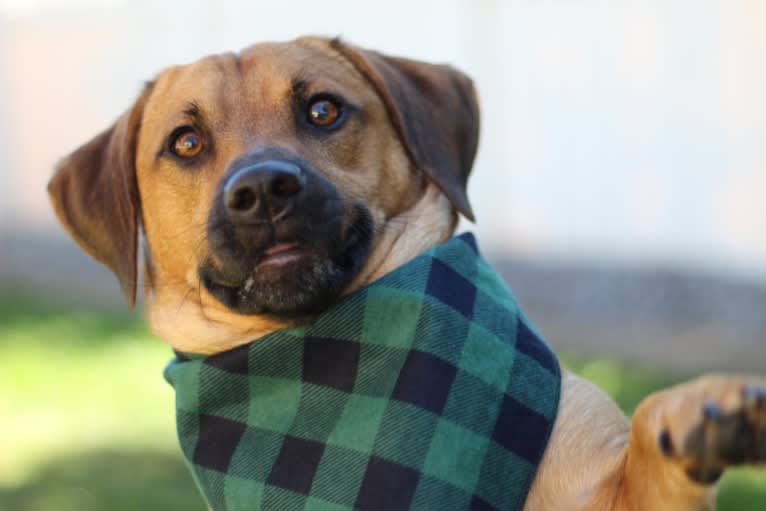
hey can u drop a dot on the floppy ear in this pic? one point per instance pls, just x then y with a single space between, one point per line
434 110
95 197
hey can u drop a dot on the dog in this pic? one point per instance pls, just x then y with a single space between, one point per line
271 183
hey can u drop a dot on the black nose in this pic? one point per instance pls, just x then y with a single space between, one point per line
266 189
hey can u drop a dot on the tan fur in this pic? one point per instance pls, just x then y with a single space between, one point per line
596 459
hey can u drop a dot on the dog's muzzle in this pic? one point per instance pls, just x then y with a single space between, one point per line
281 238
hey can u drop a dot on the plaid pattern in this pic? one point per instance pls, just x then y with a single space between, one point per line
427 389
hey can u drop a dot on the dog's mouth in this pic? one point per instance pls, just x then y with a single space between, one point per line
298 269
282 254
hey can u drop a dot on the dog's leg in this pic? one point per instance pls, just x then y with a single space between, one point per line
667 459
683 438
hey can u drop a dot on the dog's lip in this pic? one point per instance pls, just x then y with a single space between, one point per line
282 254
279 248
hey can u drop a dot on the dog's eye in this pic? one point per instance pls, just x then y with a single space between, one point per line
186 143
324 112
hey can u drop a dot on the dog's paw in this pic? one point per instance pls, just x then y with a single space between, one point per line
714 423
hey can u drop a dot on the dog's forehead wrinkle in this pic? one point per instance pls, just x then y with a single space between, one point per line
192 108
309 58
327 48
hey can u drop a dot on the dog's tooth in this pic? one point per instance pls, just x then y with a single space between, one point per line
248 284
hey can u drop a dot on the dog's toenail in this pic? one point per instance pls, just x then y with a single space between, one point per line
711 411
755 397
704 476
666 443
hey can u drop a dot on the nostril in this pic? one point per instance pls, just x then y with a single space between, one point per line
243 199
285 185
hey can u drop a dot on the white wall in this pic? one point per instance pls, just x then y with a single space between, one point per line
613 130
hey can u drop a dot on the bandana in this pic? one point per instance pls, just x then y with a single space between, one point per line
427 389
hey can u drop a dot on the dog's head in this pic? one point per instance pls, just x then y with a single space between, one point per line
268 183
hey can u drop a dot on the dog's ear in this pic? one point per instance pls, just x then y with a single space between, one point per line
95 196
434 110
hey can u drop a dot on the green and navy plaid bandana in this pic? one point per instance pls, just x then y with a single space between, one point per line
427 389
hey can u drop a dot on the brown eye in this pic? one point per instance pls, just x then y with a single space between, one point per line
187 143
323 112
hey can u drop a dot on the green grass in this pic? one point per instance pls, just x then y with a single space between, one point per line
87 422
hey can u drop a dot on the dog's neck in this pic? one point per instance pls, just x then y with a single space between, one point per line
200 324
430 222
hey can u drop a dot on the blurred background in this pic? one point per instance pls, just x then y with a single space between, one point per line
619 188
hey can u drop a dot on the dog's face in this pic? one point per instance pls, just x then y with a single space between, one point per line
270 182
